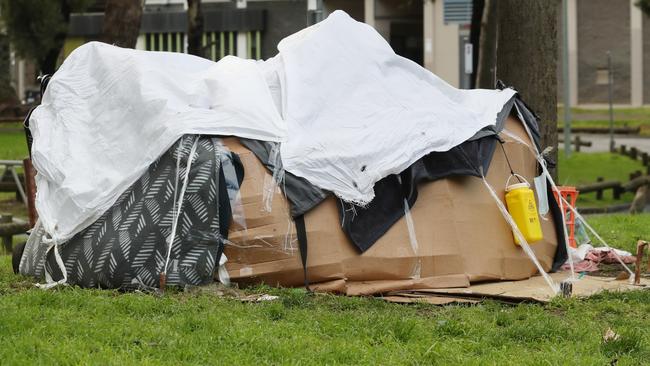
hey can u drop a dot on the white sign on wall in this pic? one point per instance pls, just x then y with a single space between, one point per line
469 58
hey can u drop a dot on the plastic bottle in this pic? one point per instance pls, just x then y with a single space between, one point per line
520 201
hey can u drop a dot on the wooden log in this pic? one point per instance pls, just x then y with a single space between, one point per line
576 144
645 158
609 209
9 229
594 187
7 177
8 187
603 130
30 191
599 193
635 175
640 199
617 191
635 183
623 150
634 153
5 237
582 142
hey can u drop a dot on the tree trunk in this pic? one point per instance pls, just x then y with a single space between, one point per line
122 22
475 36
7 93
487 50
47 65
527 58
194 28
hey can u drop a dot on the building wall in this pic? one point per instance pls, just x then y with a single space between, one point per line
354 8
603 25
646 60
282 19
446 47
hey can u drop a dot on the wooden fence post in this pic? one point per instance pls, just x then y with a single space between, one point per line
599 193
633 153
6 240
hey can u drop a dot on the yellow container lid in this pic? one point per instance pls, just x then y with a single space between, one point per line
512 187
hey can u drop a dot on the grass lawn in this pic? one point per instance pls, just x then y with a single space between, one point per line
585 168
599 117
13 145
74 326
80 326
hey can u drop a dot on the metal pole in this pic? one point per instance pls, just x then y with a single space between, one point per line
314 11
610 76
565 80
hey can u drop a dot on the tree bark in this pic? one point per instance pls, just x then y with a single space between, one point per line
487 50
7 93
527 58
122 22
194 28
475 36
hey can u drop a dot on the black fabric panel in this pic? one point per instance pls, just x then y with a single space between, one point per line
126 247
301 233
302 195
561 254
225 211
364 226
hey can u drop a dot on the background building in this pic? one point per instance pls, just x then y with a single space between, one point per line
433 33
598 26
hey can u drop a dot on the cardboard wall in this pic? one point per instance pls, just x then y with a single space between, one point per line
461 236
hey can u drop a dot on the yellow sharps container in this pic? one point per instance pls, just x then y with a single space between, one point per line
520 200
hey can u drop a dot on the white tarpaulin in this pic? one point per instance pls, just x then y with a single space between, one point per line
109 112
357 112
348 110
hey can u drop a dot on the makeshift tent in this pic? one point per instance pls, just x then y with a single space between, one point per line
351 169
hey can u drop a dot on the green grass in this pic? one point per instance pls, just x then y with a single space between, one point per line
74 326
585 168
621 230
599 118
13 145
84 326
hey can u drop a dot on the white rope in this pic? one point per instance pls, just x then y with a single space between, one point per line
540 159
53 243
522 241
573 210
271 183
579 217
176 214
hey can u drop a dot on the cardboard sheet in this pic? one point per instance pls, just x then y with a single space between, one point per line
461 235
532 289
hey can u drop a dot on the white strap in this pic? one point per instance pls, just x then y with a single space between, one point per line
49 282
522 241
179 207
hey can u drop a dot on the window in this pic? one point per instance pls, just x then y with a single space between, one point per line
602 77
216 45
171 42
458 11
219 44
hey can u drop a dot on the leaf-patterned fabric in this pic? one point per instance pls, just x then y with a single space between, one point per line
127 246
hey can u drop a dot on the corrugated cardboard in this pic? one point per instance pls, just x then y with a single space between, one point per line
533 289
460 232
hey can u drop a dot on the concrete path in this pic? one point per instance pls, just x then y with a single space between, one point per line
600 142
